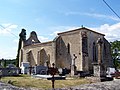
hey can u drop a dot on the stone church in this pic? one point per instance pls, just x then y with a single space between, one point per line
77 48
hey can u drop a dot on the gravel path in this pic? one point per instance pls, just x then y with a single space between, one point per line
4 86
109 85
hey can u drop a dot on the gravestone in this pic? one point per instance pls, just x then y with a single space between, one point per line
73 67
25 67
99 70
40 70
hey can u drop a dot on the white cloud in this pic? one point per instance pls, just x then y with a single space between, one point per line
55 30
43 39
7 28
8 49
111 34
102 16
96 15
16 40
111 31
8 53
54 33
59 29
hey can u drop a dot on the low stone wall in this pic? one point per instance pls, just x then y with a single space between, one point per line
9 71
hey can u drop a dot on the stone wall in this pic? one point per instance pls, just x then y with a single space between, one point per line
83 51
39 54
80 44
92 39
107 54
67 45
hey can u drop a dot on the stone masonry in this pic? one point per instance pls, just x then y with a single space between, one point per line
81 42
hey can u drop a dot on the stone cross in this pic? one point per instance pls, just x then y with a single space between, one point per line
52 70
73 66
74 59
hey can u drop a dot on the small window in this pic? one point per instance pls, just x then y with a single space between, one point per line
94 52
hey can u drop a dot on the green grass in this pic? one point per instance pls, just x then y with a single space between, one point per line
27 81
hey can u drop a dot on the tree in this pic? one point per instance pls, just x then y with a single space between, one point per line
115 48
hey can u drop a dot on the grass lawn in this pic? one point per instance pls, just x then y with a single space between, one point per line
28 81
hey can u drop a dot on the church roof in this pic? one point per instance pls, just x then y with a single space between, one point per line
83 28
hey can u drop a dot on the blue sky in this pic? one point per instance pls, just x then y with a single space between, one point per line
48 17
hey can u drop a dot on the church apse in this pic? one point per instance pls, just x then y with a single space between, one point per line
63 54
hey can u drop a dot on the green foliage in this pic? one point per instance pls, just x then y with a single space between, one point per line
114 45
5 62
117 64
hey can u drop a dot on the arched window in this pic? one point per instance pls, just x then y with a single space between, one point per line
84 43
68 48
94 52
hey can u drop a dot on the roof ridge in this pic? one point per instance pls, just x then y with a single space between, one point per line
80 29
